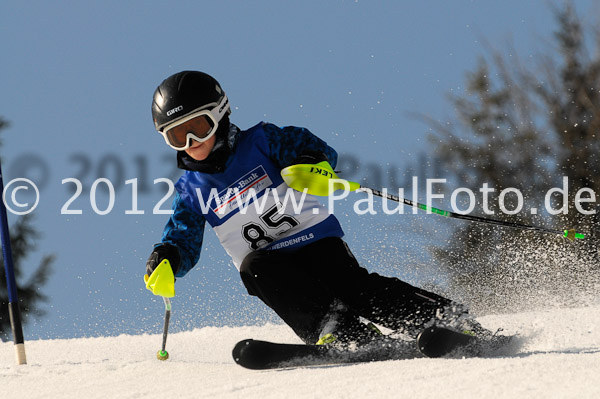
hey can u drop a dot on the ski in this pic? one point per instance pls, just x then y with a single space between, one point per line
438 341
262 355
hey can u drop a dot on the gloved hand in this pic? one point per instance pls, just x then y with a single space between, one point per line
161 252
310 157
319 179
161 267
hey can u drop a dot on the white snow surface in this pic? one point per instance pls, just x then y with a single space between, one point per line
559 358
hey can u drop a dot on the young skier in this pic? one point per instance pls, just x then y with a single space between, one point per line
294 260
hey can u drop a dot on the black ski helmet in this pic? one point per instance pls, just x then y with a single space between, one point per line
182 93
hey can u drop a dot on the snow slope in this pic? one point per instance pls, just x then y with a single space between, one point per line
560 358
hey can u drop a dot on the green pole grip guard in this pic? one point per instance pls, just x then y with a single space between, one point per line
572 235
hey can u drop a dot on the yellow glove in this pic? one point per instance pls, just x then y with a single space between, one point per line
317 179
161 281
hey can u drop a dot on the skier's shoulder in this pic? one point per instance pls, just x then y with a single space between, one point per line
286 130
273 131
272 136
284 138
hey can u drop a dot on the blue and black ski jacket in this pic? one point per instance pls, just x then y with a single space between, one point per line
247 203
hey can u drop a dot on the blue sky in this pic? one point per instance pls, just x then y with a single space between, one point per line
77 81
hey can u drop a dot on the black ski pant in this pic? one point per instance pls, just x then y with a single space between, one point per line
306 286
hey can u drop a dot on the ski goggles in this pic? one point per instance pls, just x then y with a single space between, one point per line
199 125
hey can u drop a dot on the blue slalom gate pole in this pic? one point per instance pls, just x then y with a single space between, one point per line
13 301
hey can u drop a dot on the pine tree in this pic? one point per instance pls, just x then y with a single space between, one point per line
23 236
525 126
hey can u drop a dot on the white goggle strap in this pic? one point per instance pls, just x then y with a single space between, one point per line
221 109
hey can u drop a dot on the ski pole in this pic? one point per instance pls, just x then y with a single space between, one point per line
567 233
320 179
163 354
14 312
